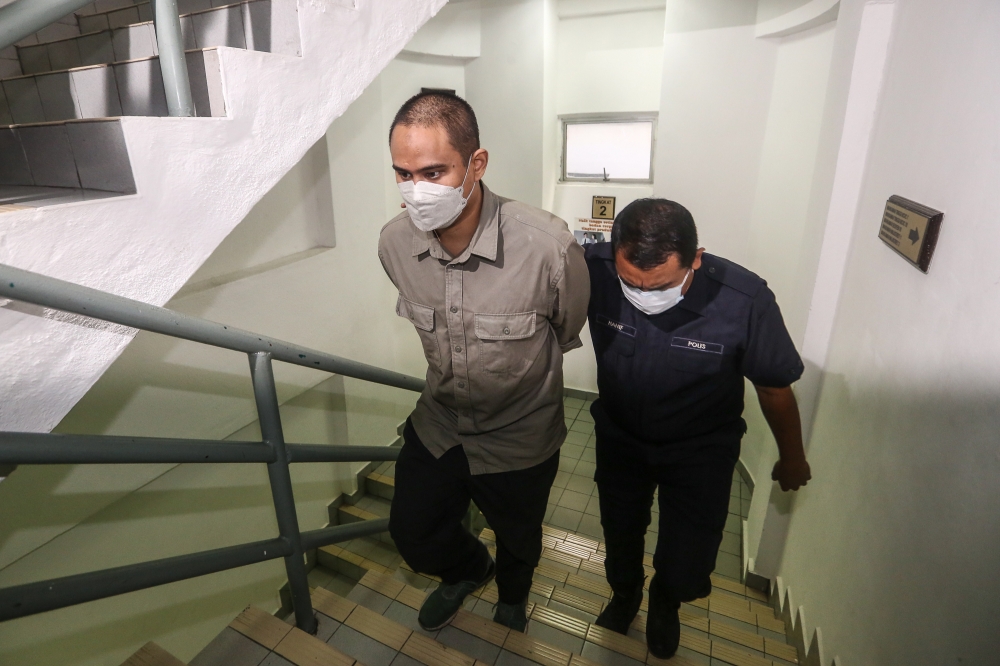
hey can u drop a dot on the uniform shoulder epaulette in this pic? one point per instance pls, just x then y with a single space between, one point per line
732 275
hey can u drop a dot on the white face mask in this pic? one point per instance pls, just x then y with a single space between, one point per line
434 206
654 302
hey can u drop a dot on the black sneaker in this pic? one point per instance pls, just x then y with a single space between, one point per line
443 604
620 611
513 616
663 627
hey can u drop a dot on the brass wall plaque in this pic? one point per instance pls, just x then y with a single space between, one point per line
604 208
911 229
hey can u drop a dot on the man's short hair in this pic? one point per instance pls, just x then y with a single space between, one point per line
648 231
442 109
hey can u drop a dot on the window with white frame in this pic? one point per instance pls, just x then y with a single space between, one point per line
608 148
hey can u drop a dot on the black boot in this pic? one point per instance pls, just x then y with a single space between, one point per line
620 611
663 625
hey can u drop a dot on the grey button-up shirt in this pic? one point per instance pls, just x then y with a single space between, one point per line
494 323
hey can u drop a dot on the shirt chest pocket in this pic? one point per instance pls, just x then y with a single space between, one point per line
422 318
506 342
694 360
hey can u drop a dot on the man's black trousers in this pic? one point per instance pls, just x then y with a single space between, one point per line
694 504
431 499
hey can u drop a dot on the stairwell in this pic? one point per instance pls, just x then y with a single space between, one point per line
367 599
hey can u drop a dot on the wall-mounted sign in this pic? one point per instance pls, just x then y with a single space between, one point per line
911 229
603 209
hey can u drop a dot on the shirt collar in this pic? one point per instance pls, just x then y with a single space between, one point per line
484 241
697 296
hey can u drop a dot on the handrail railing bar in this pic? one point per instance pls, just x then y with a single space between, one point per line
58 294
173 64
266 396
337 533
35 448
46 595
38 448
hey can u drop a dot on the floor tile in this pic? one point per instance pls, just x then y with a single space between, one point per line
593 506
553 636
581 484
327 627
567 464
554 494
230 648
586 469
561 479
571 499
370 599
607 657
591 526
734 524
589 455
510 659
566 519
729 565
402 660
573 451
580 426
571 611
469 645
366 650
275 660
578 438
731 543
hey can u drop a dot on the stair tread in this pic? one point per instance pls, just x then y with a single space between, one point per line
152 654
94 66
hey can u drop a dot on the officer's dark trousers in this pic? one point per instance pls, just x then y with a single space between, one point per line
431 499
694 504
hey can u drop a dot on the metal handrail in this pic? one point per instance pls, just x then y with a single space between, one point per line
291 544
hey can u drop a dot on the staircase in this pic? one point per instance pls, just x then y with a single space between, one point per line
367 601
98 188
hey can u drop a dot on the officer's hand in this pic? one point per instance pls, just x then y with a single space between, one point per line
791 474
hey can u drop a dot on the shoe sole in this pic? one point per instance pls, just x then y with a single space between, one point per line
444 624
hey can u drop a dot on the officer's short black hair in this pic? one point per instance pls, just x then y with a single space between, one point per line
648 231
435 108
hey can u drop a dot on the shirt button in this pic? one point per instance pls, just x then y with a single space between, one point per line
711 270
461 385
454 309
506 331
458 349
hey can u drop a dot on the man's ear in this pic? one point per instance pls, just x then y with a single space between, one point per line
696 264
480 159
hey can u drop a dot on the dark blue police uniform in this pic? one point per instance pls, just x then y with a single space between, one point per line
670 411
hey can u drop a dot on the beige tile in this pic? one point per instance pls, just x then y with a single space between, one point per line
728 585
302 649
552 572
330 604
737 657
152 654
590 585
260 627
536 650
412 597
736 635
561 557
566 597
780 650
382 583
697 642
481 627
560 621
617 642
428 651
379 628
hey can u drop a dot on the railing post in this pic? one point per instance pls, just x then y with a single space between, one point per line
281 487
173 65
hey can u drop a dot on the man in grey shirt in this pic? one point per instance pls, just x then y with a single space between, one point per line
497 291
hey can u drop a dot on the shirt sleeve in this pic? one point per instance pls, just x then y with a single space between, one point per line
572 295
770 359
386 266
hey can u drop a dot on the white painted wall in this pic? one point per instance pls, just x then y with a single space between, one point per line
892 548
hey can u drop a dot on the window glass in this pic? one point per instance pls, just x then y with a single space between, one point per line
608 150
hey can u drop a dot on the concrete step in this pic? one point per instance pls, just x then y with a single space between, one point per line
257 25
152 654
133 88
76 159
382 482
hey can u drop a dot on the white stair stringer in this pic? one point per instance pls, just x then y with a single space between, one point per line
196 179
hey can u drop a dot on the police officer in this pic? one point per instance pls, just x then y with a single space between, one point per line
676 331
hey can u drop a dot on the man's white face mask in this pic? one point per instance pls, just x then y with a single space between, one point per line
434 206
654 302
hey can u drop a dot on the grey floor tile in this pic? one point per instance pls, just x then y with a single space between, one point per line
586 469
553 636
140 88
319 577
567 464
96 49
581 484
607 657
101 156
571 413
728 565
327 627
589 455
275 660
566 519
340 584
578 438
64 54
133 42
50 155
734 504
549 510
691 655
773 635
571 451
574 403
123 17
384 554
34 59
737 646
734 524
360 546
581 426
366 650
56 93
230 648
13 164
413 579
745 508
96 92
402 660
407 617
484 609
571 611
554 494
593 506
561 479
469 645
723 619
370 599
571 499
591 526
23 101
731 543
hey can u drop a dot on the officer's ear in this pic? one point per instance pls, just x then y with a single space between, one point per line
696 264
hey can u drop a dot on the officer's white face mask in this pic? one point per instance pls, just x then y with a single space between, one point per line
654 302
434 206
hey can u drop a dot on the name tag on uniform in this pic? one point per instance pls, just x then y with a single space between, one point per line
697 345
621 328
